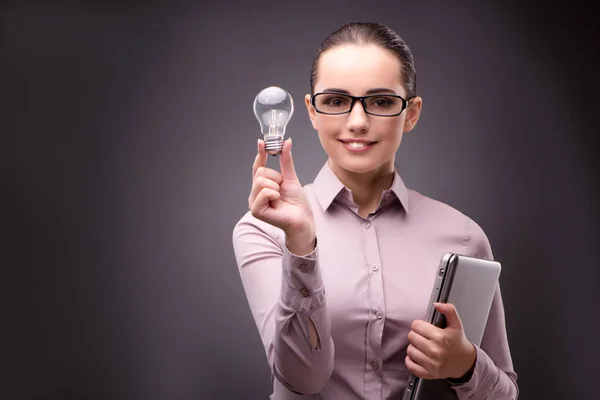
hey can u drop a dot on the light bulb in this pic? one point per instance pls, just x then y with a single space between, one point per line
273 108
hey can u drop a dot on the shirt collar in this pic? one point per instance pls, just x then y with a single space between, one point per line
328 187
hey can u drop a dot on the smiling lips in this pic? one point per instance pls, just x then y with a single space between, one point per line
357 145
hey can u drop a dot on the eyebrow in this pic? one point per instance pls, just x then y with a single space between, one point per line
370 91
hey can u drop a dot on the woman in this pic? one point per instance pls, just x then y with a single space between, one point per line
338 273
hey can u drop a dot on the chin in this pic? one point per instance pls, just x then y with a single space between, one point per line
359 166
358 163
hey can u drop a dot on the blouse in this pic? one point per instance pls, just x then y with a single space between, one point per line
364 284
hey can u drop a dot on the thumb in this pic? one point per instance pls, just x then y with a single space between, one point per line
286 162
451 314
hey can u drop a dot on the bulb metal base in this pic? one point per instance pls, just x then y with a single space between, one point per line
273 145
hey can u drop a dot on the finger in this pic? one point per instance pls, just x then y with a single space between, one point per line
268 173
427 330
424 345
259 184
286 162
451 314
420 358
261 157
416 369
263 202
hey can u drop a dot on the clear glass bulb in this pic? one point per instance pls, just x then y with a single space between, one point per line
273 108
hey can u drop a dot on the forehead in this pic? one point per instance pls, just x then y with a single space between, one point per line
358 68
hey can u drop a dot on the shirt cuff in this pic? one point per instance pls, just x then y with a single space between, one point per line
302 285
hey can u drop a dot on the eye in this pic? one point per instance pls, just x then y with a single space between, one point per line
382 102
335 101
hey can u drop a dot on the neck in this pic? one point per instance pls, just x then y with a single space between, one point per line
366 187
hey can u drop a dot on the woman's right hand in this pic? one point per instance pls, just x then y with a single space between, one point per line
278 199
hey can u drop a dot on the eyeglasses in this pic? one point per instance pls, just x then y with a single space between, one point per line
381 105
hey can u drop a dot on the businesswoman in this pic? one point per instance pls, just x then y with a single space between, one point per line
338 273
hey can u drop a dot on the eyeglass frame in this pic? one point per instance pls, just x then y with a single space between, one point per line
362 101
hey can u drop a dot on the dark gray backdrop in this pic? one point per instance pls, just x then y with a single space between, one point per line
130 138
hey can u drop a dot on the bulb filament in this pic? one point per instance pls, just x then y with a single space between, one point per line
273 123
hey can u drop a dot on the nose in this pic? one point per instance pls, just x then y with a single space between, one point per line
358 120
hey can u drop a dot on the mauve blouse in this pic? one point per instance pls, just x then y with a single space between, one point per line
364 284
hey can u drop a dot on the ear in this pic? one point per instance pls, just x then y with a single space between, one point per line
312 113
413 112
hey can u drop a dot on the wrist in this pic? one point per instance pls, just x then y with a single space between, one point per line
301 242
466 371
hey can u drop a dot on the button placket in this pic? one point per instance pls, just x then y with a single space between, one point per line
376 303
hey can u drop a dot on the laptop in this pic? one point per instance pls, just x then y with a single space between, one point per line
469 283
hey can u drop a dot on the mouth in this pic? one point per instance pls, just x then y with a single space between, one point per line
356 145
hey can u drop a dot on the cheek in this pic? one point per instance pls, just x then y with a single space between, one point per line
328 127
392 129
386 129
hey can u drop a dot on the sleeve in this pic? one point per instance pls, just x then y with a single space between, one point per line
493 377
285 293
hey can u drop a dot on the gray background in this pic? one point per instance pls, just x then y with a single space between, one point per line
129 137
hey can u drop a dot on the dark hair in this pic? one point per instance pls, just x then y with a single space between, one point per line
371 33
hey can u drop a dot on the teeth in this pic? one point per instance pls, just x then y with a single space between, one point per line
356 145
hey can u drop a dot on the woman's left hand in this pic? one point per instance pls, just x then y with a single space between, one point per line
435 353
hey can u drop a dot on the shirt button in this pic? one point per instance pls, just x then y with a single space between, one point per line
304 268
379 314
304 292
367 225
374 268
375 365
